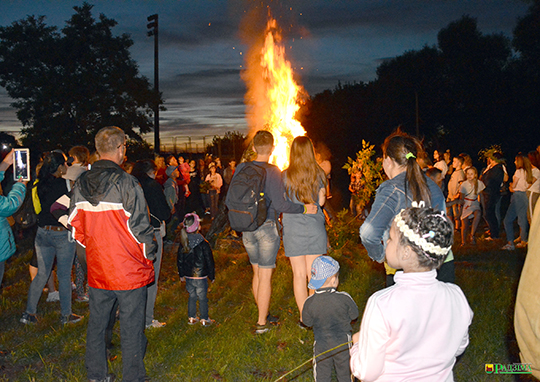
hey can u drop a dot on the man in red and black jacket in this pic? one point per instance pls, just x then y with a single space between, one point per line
109 217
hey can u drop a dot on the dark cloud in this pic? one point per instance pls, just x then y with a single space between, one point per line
203 42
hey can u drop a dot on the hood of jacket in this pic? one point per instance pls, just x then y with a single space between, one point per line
96 183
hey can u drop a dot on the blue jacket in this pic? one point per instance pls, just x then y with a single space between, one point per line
390 199
8 206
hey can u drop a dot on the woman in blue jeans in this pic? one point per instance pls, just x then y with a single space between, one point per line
519 203
53 240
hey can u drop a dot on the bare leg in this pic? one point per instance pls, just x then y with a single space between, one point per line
262 290
33 271
301 266
309 262
298 264
463 233
255 282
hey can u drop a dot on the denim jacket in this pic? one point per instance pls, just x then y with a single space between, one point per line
390 199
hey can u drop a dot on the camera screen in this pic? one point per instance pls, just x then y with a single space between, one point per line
20 164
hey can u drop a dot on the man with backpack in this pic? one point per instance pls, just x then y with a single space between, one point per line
260 233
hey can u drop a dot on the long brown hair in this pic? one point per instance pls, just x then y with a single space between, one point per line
397 146
522 161
304 176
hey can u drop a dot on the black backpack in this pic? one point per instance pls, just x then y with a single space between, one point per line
245 198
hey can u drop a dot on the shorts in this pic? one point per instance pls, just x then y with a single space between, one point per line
262 245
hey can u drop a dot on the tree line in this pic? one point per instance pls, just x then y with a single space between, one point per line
469 91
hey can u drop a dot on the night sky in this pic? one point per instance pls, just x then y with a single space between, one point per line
201 47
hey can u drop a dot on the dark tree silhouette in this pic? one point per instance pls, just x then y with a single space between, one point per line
67 85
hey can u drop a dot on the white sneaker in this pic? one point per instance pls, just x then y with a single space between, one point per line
155 324
53 296
508 247
207 322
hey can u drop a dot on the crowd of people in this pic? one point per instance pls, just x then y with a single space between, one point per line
108 219
492 194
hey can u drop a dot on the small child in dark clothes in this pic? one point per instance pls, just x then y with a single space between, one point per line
330 313
196 265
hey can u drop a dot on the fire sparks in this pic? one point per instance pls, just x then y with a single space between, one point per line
276 100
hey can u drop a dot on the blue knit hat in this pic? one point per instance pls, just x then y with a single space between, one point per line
322 268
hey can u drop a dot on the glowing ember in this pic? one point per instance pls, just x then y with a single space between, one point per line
276 99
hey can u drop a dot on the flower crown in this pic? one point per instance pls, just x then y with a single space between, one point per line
421 240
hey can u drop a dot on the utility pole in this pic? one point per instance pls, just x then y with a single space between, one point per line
417 116
153 26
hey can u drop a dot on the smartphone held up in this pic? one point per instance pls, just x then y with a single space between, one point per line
21 164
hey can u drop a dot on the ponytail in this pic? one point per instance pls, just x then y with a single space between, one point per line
416 180
403 149
184 240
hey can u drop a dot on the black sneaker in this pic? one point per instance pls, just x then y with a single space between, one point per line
260 329
28 318
71 319
301 325
272 319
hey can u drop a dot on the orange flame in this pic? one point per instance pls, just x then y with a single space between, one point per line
278 101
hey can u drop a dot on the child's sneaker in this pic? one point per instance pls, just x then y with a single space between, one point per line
260 329
192 320
156 324
53 296
70 319
28 318
207 322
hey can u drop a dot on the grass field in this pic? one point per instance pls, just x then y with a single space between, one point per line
230 351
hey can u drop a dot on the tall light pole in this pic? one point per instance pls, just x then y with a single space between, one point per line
153 26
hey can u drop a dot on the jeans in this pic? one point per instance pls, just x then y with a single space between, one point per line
153 287
262 245
490 204
132 311
197 289
517 209
51 244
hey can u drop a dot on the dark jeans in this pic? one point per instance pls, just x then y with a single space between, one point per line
132 311
197 289
490 215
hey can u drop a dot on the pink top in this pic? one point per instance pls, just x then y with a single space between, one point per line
412 331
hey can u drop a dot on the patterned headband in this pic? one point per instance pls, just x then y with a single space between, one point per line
421 240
